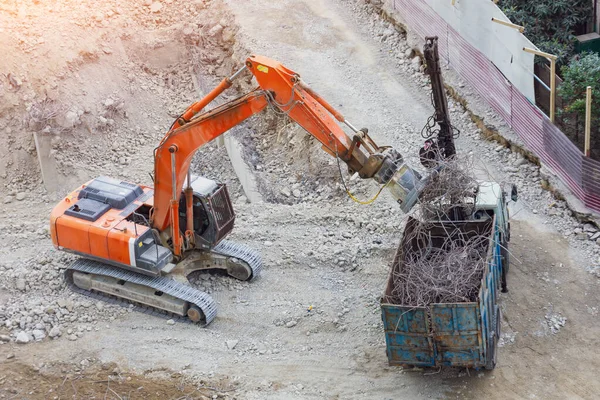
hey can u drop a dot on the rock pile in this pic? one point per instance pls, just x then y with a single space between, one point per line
41 306
555 321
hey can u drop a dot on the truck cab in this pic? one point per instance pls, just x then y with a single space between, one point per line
492 201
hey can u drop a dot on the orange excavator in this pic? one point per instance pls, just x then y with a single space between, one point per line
139 243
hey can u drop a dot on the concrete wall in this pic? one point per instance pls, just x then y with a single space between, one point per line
242 170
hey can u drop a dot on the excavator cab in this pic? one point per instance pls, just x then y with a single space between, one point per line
213 213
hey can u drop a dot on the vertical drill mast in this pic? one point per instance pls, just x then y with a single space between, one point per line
445 139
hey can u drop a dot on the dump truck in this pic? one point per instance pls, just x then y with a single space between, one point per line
459 334
462 329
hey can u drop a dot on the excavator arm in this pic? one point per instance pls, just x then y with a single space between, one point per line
282 89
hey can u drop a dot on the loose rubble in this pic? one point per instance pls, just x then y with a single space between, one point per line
555 321
22 338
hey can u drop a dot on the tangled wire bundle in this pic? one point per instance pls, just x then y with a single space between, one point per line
451 188
432 273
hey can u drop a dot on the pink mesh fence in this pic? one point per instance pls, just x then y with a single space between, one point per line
581 174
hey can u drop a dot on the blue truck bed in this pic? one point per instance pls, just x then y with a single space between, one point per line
451 334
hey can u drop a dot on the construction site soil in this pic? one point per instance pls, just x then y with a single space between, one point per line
88 88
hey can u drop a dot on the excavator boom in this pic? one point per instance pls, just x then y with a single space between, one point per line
282 88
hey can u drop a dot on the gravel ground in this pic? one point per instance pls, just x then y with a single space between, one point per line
310 327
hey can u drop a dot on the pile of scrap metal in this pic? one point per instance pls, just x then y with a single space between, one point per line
439 263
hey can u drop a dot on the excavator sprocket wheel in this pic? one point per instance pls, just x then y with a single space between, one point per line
238 270
244 263
237 260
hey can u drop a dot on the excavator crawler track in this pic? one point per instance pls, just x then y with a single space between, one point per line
243 253
164 285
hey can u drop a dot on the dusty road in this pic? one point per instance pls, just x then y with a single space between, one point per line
310 327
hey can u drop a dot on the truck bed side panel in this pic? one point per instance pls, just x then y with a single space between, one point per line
407 335
456 333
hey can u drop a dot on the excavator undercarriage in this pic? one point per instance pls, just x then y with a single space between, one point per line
169 294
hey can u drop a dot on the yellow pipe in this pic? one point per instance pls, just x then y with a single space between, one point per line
552 58
509 24
588 120
552 88
539 53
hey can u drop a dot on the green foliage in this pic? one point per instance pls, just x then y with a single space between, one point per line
550 24
578 75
